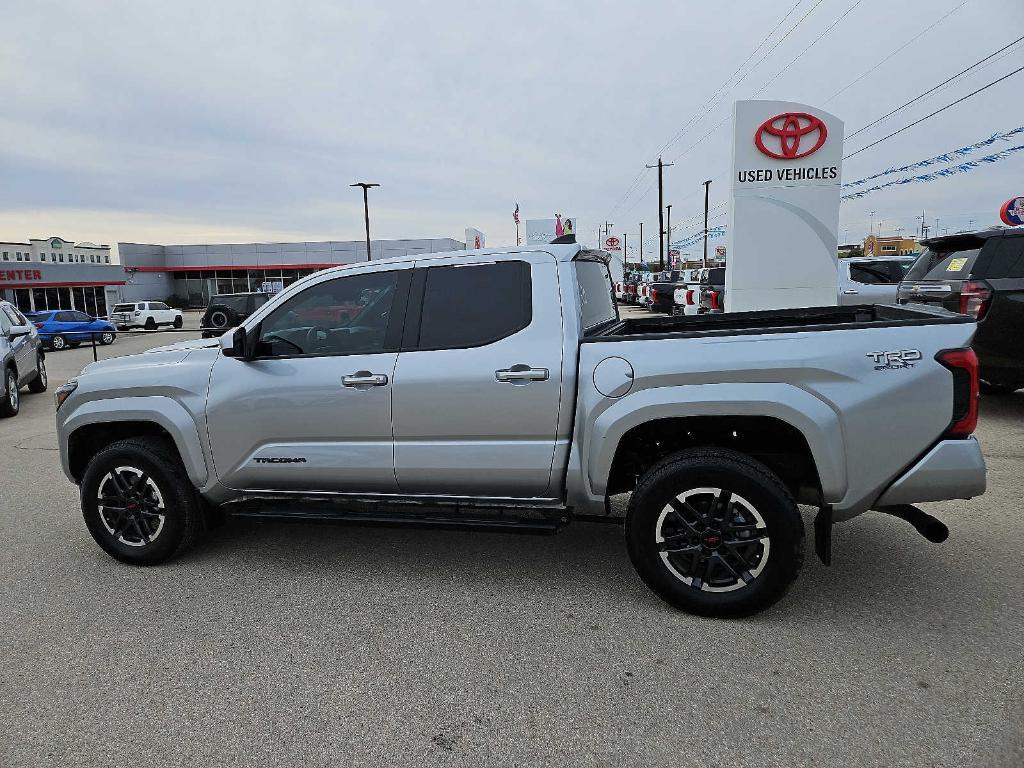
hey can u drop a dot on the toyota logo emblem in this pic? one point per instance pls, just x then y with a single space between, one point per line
612 242
791 131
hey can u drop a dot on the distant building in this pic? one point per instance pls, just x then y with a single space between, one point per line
54 273
194 273
895 245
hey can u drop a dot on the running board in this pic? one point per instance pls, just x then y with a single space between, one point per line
456 518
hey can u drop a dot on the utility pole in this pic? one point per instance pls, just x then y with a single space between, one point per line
607 231
921 217
871 227
366 211
625 251
641 246
661 211
707 192
668 231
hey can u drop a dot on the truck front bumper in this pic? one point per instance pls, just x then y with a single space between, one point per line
953 469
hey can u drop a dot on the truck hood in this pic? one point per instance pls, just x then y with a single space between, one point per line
170 354
185 345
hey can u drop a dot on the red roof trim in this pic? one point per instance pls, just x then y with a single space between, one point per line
235 266
42 284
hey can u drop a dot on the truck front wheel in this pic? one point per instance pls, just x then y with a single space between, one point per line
138 503
715 533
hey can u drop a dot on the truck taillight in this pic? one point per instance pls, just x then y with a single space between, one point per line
975 298
689 297
654 294
38 325
963 364
714 300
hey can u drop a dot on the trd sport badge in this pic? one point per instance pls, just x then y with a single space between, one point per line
790 136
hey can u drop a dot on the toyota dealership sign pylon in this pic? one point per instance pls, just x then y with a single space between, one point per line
784 213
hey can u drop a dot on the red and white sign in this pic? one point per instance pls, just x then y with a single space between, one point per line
791 135
1012 212
612 243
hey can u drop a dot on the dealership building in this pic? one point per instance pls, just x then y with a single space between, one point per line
54 273
194 273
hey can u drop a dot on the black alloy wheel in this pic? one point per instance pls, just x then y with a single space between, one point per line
138 502
715 533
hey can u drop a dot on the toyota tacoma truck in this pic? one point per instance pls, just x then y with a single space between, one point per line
499 389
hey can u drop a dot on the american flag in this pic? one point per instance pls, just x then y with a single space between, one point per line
515 214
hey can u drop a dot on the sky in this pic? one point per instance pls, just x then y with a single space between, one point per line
196 122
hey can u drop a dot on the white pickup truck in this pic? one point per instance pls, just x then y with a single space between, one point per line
145 314
499 389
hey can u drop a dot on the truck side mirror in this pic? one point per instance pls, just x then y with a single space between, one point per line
232 344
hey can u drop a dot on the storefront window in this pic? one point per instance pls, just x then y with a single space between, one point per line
39 296
23 299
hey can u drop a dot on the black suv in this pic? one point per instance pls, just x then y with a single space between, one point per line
227 310
980 274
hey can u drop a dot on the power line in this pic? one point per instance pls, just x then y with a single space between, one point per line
814 42
931 90
943 109
911 40
717 97
722 87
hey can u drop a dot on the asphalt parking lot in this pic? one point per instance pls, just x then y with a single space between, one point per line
291 644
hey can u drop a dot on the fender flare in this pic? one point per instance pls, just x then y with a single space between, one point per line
811 417
165 412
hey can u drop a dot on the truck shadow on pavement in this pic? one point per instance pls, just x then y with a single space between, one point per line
881 567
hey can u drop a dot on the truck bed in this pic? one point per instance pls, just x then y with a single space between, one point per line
774 321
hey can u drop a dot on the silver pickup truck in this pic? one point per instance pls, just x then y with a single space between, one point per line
499 389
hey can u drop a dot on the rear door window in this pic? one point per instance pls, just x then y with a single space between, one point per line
945 264
870 273
596 300
474 305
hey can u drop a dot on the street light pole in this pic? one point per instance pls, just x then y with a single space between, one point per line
366 210
641 246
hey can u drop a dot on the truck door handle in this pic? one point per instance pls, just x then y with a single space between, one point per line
364 379
851 291
519 374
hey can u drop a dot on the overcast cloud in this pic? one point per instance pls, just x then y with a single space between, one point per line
237 121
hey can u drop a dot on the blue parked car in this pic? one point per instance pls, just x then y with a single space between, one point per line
63 328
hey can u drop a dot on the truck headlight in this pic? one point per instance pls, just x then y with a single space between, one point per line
64 391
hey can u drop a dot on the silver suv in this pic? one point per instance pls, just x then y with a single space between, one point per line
23 359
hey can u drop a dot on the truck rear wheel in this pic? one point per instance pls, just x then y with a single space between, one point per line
138 503
715 533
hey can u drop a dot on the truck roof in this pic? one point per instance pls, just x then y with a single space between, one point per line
561 252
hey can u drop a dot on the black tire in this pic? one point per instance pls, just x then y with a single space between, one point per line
222 318
746 577
58 343
150 324
140 532
178 322
10 403
106 338
987 388
40 380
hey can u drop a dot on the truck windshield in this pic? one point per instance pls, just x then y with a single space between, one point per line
596 297
945 262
